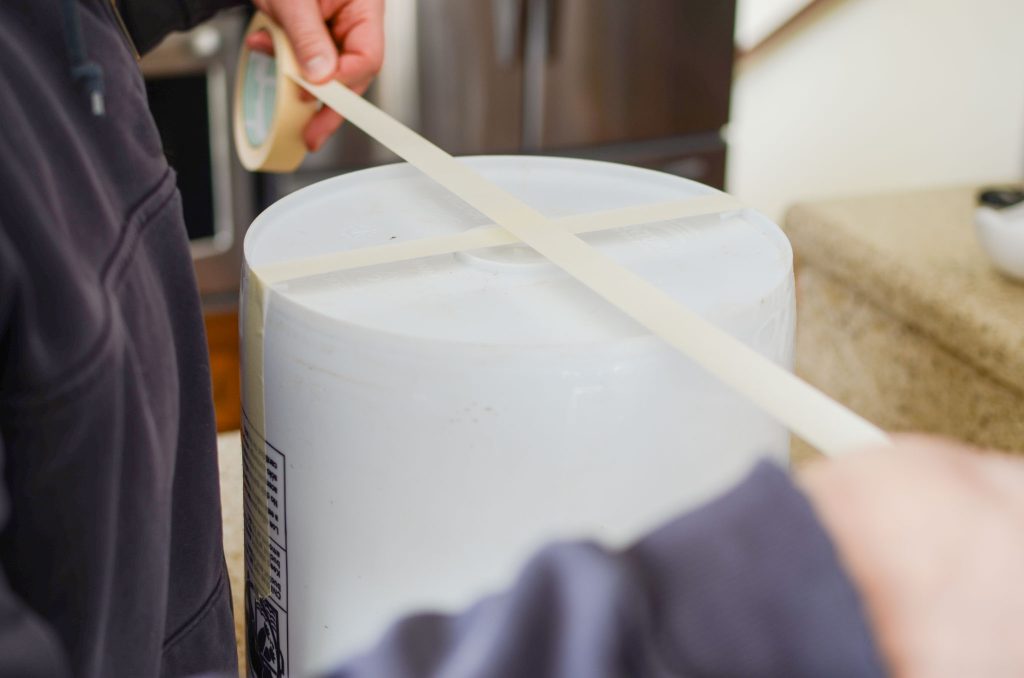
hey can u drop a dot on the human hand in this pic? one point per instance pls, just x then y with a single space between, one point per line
318 29
932 534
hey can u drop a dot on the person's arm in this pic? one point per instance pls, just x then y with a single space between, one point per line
342 39
149 21
748 585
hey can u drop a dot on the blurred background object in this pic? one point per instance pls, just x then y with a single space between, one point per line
644 83
999 225
762 20
861 96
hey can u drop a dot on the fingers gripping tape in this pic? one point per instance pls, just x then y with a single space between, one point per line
269 116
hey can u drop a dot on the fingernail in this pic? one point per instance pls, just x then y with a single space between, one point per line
318 67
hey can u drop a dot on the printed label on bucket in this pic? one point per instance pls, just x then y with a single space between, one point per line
266 556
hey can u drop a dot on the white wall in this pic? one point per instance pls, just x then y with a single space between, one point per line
875 95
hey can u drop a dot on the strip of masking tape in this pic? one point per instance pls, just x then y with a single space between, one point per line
493 236
269 117
806 411
254 451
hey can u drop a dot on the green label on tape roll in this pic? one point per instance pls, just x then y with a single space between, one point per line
259 91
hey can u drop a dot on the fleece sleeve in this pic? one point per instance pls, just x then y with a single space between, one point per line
29 647
747 585
149 21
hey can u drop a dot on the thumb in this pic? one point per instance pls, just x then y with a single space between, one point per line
306 29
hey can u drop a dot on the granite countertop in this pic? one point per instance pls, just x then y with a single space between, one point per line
915 256
229 453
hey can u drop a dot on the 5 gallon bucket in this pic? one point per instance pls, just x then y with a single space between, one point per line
428 424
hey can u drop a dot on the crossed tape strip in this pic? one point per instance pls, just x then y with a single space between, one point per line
493 236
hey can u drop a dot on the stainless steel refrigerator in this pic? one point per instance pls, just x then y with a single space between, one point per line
644 82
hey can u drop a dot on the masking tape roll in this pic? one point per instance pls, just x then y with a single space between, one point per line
269 116
809 413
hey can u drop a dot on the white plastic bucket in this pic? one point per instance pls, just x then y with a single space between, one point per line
431 423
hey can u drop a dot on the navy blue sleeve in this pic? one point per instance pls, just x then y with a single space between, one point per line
747 585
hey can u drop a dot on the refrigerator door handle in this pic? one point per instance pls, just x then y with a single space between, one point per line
508 17
536 54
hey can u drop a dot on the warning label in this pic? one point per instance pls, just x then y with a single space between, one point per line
266 556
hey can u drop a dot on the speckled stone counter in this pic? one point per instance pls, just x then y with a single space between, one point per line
229 448
902 318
